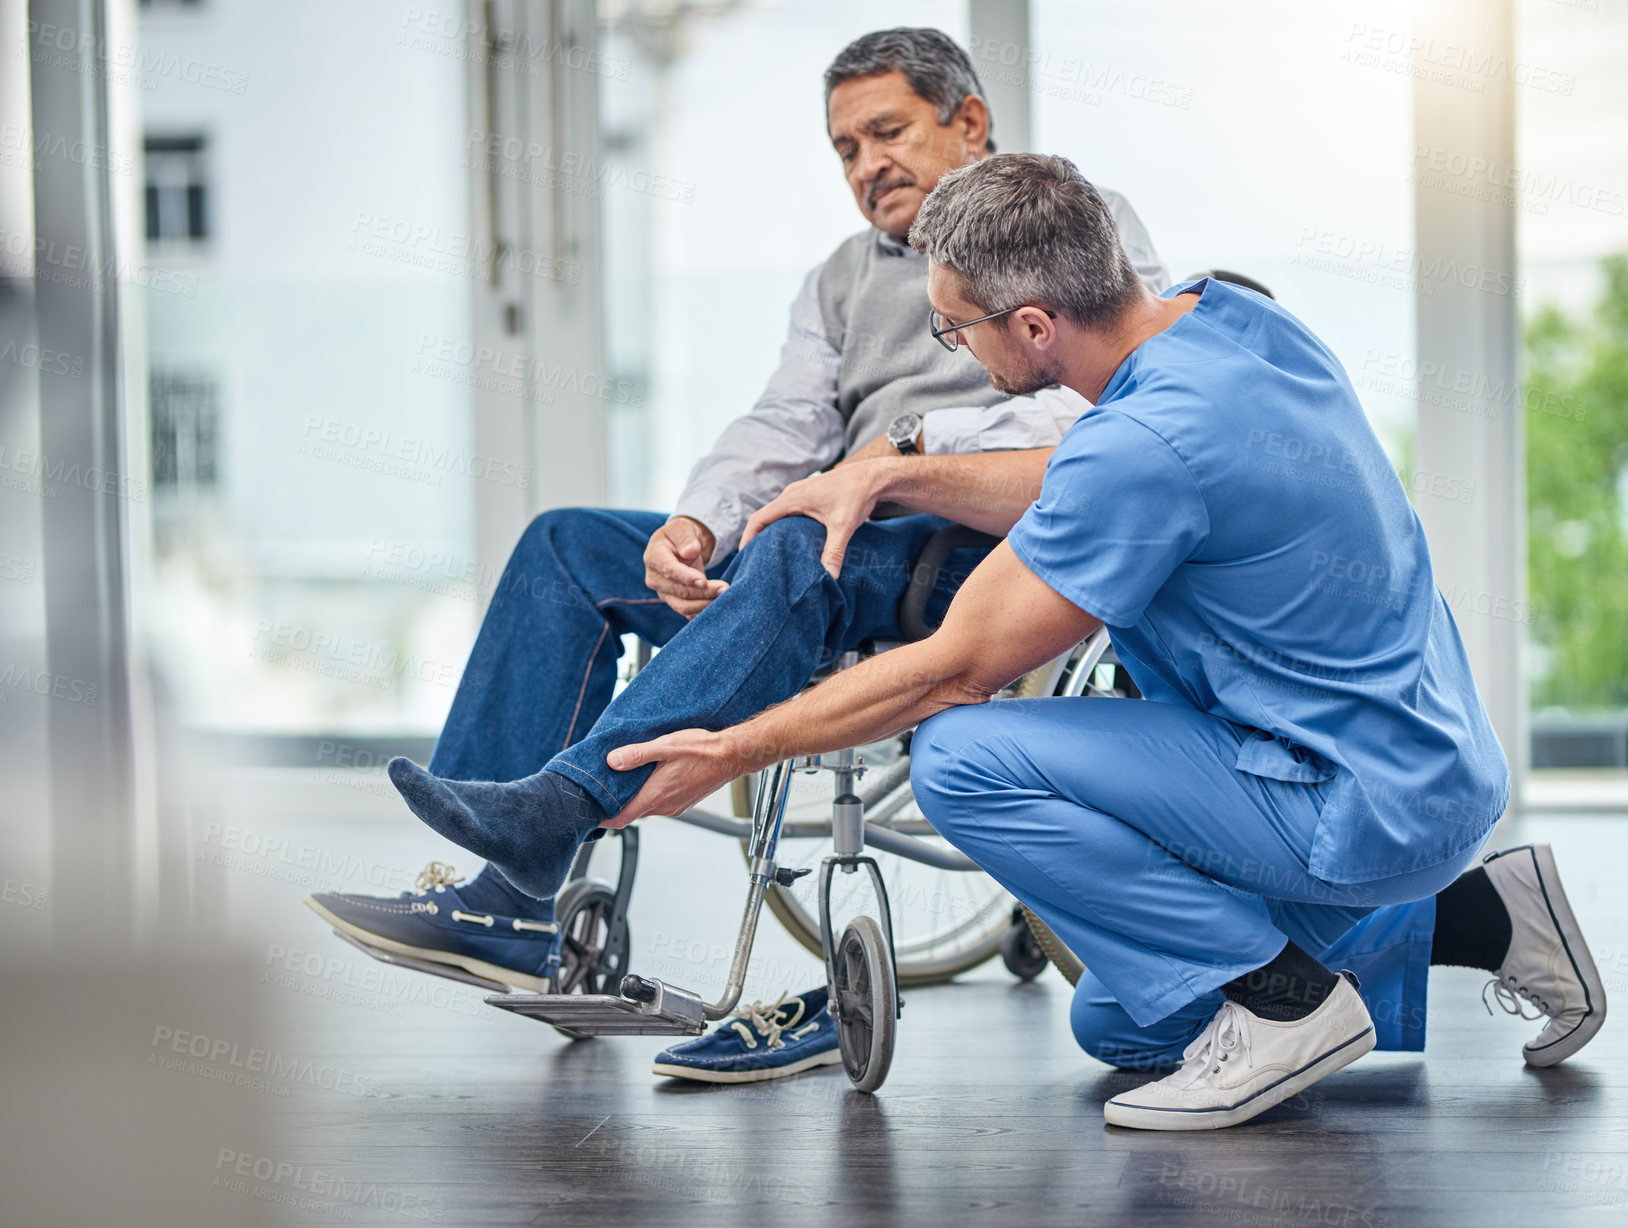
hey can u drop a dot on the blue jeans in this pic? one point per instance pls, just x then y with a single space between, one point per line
537 690
1127 828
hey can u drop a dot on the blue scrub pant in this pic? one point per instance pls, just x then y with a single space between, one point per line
1127 828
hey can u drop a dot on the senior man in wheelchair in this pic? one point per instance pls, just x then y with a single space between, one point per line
739 628
1259 864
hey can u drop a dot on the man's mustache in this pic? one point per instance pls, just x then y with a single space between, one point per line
882 185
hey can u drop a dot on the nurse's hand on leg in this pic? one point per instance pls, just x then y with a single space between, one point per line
693 764
841 499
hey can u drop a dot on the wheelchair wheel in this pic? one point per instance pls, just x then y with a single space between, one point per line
593 953
864 1003
1064 960
945 922
1021 951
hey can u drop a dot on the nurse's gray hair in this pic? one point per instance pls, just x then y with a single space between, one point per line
1027 229
934 64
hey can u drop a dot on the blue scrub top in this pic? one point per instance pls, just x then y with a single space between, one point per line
1229 513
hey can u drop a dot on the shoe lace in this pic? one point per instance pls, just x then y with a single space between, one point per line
436 874
768 1021
1226 1033
1514 997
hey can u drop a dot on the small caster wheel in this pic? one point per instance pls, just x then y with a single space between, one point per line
864 1003
1020 951
593 953
1064 960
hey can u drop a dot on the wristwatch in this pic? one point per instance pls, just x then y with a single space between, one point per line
904 433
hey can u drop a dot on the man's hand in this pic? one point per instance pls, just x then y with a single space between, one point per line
841 499
693 764
673 562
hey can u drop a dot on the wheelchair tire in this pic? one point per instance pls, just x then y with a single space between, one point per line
864 1003
803 923
985 936
593 954
1021 952
1064 960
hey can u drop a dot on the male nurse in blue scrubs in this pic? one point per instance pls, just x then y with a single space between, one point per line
1258 864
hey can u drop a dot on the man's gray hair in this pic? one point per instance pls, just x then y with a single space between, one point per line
936 67
1027 229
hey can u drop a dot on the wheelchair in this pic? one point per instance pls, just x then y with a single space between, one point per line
839 835
596 994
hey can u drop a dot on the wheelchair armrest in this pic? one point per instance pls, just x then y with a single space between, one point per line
924 575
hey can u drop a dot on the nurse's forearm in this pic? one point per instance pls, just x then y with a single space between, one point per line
885 695
984 490
1003 622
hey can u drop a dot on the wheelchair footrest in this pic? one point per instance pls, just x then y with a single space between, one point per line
669 1011
424 965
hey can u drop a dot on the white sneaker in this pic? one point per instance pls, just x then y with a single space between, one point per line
1241 1065
1549 963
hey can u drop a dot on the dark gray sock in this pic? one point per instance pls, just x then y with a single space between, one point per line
530 829
1473 929
1291 987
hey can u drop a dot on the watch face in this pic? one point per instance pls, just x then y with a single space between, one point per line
903 430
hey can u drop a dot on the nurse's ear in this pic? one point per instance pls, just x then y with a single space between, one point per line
1037 325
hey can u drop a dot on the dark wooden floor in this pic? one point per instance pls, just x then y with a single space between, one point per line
437 1109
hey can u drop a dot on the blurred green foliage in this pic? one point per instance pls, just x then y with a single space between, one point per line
1576 399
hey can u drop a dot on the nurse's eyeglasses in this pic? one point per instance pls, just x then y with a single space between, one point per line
947 334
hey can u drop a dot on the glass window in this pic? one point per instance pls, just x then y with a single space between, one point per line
1255 136
722 194
1570 197
185 414
176 194
312 498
